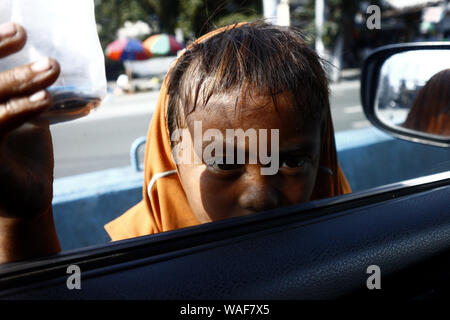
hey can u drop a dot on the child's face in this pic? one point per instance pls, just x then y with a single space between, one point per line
220 191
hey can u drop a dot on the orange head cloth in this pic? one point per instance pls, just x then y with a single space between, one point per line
165 207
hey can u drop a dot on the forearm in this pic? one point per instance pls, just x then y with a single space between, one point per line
22 239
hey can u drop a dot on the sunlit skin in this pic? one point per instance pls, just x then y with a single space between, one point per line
216 191
26 155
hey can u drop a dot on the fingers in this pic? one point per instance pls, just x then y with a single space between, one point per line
25 80
12 38
22 94
17 111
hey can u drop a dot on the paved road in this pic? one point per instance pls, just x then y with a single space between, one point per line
102 140
346 107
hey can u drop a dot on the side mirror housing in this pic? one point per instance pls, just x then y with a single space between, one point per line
405 91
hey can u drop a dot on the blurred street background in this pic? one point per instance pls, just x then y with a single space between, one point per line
337 29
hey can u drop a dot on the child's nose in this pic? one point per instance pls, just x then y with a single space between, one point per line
259 193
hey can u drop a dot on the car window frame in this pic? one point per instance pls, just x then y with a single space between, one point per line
166 244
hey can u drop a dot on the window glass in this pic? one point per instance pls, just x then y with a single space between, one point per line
242 123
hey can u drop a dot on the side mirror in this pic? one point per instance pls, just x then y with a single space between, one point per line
405 90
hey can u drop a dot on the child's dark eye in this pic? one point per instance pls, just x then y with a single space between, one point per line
292 162
293 165
220 167
225 167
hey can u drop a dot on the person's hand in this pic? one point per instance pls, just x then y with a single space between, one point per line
26 151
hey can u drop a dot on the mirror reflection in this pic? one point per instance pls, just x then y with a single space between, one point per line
414 92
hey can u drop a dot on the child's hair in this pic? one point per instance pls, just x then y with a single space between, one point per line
268 58
430 112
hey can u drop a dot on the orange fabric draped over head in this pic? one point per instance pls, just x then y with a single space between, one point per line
165 207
